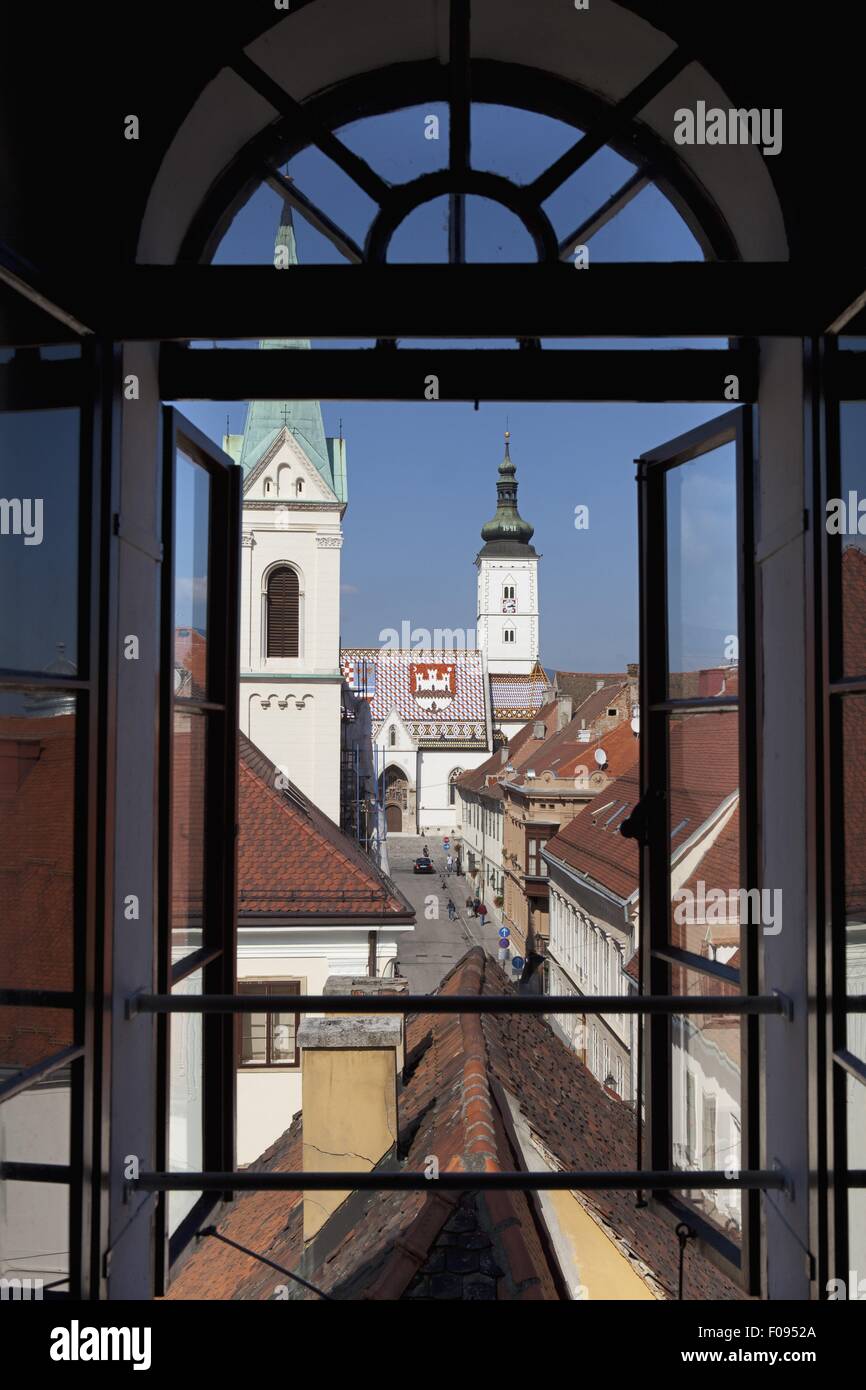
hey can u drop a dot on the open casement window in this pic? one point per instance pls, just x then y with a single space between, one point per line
198 814
700 926
840 538
269 1040
52 723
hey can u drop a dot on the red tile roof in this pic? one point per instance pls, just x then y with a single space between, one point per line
520 746
563 754
429 1244
293 860
704 757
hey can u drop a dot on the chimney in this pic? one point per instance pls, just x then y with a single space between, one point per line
564 711
349 1099
599 685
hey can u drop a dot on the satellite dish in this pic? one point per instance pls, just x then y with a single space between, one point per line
601 757
635 725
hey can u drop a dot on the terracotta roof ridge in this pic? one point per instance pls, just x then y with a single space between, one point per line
478 1108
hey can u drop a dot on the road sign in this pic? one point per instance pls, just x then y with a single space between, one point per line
504 933
517 963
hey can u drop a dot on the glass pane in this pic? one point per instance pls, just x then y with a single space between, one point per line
705 1097
34 1235
854 801
254 1040
187 832
708 897
702 575
34 1125
191 543
39 453
856 1122
29 1035
283 1037
186 1109
37 808
846 518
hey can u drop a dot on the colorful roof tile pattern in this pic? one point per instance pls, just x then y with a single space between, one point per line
439 695
515 696
462 1075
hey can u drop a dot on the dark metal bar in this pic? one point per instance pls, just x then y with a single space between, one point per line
707 702
615 118
196 960
315 216
22 1080
457 1004
639 180
245 1180
263 1259
688 960
351 164
459 122
635 300
467 374
35 1172
38 998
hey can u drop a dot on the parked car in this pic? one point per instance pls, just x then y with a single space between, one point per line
423 866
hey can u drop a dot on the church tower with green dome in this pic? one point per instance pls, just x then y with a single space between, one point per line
507 621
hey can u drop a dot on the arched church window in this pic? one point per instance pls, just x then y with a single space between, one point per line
392 737
452 787
508 633
267 485
299 486
283 613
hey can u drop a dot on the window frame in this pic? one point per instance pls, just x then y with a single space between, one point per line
216 956
658 958
268 986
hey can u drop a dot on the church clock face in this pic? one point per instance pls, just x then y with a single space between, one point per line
509 605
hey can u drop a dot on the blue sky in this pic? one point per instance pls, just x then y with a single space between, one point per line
422 476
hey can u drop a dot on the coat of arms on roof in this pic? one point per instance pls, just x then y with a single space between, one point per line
433 684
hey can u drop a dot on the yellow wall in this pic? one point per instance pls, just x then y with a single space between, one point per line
350 1118
604 1271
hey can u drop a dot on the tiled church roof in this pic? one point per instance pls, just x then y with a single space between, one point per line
439 695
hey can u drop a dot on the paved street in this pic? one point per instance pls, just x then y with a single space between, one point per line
428 953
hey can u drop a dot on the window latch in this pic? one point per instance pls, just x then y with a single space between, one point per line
638 825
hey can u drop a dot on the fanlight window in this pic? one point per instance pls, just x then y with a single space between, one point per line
283 613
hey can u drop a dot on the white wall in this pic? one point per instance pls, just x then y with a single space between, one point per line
268 1097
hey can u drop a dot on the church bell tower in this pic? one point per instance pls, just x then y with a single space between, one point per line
507 564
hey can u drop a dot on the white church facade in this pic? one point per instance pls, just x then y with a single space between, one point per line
438 713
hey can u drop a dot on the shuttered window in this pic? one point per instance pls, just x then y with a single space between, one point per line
283 610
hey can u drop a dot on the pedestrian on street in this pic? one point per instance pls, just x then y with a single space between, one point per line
470 906
482 913
452 911
476 905
426 852
448 863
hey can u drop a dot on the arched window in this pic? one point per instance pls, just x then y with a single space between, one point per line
452 789
508 633
299 486
392 737
268 485
283 613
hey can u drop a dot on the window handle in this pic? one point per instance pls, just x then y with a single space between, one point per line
638 826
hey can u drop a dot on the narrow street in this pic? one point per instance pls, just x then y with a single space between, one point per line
428 953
